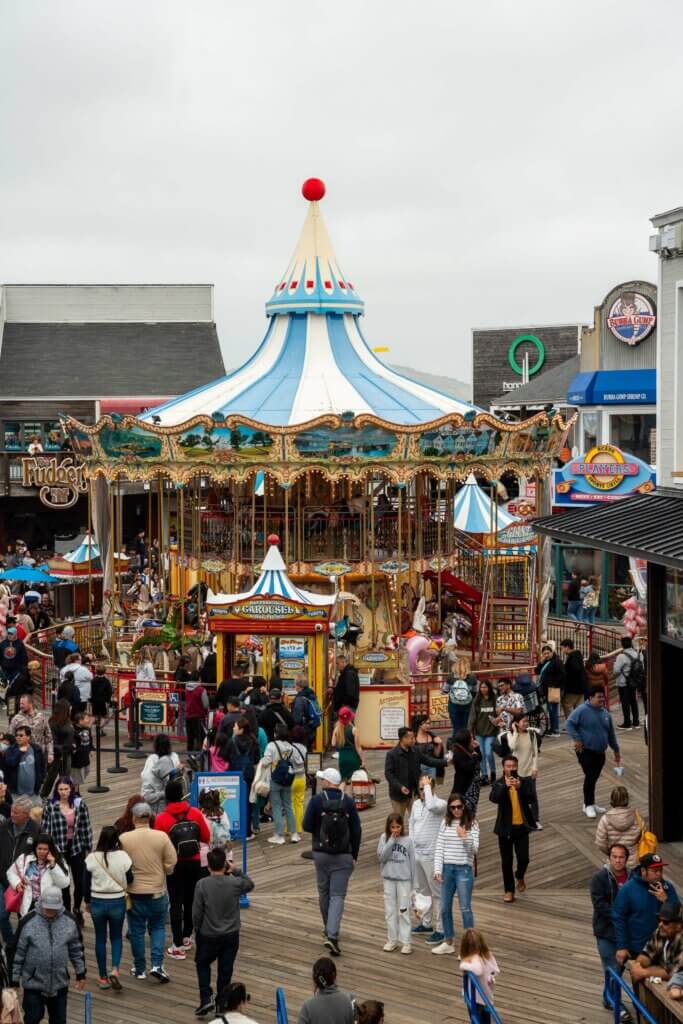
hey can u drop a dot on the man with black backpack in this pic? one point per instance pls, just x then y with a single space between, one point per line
275 713
332 820
629 675
187 828
306 709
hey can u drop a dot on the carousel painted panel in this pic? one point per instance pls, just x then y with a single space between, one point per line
129 441
347 442
236 443
450 441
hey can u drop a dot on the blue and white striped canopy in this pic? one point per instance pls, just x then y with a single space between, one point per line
87 551
274 582
313 359
473 511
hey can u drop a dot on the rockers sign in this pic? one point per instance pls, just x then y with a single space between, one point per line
60 482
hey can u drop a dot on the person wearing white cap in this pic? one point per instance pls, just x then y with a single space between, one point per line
332 820
46 941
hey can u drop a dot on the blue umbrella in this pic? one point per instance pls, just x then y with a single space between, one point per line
25 574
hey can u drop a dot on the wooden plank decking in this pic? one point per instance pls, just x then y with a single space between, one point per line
543 942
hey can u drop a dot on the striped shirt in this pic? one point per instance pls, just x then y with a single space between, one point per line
452 849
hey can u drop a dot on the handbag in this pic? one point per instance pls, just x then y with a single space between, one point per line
13 898
554 694
647 842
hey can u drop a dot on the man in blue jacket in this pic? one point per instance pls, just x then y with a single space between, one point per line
636 908
592 729
332 820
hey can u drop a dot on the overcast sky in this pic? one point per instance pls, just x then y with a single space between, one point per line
486 163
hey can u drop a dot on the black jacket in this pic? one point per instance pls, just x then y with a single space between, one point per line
347 689
208 672
466 764
499 794
574 673
274 714
101 694
402 768
604 891
12 846
314 813
553 674
573 589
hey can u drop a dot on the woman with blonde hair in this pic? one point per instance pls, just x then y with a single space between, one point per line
144 672
621 824
345 740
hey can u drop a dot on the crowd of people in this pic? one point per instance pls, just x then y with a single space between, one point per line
167 862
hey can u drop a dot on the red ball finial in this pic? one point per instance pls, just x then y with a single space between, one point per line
273 539
313 189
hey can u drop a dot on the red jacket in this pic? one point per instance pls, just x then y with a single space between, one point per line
172 813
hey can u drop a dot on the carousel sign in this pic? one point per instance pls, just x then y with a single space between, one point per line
273 609
60 482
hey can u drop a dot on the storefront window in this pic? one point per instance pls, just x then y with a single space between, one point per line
634 433
12 437
673 623
53 439
586 561
590 422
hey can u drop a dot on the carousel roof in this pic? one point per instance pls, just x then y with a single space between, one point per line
313 359
274 582
87 551
473 510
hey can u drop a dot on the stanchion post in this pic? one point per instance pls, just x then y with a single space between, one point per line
118 768
98 787
137 743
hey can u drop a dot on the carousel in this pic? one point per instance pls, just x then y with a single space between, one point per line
365 476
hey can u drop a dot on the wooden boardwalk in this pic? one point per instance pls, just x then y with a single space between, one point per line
543 942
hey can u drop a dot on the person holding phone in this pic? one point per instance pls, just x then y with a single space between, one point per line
514 822
636 909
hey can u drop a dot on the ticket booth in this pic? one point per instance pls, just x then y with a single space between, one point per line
294 624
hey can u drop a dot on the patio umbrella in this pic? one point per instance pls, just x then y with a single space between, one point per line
24 574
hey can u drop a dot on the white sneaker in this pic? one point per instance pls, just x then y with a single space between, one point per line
280 840
406 949
589 811
598 808
390 946
444 949
295 838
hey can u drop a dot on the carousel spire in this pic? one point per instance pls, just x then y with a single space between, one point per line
313 281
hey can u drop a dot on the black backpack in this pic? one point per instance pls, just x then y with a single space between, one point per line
635 677
335 835
283 772
185 836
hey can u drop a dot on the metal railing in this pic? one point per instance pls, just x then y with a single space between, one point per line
589 639
471 988
616 989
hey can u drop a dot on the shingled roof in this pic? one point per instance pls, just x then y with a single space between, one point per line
550 386
44 360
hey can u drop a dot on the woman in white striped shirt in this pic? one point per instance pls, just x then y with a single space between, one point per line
456 847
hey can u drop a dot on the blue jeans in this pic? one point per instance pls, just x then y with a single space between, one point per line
147 914
457 878
554 712
488 758
281 799
607 951
111 913
458 714
574 609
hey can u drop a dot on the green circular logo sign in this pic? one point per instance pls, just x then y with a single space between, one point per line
512 354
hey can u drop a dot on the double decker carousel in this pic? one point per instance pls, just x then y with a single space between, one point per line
382 491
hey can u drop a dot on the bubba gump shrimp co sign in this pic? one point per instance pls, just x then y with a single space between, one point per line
60 481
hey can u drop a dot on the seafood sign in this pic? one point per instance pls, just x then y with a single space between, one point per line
60 482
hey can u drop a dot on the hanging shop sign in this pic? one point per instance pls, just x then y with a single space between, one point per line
604 474
332 569
61 481
631 317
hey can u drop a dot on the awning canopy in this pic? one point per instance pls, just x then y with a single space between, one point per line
648 526
614 387
473 511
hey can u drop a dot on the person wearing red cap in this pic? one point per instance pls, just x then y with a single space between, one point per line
636 908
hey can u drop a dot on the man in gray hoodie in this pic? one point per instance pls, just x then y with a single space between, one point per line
216 920
47 940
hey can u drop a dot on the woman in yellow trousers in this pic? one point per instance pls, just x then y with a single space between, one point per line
299 783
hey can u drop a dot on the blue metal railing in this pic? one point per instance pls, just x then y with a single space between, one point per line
616 988
471 987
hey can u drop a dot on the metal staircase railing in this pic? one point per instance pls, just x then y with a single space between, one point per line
471 988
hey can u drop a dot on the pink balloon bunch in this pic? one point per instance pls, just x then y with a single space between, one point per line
634 616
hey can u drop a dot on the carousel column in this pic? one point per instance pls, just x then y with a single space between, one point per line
181 562
438 548
253 528
90 539
373 638
286 490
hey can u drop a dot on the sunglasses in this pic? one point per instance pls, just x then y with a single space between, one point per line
456 807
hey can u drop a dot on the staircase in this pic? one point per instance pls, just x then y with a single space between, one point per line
508 623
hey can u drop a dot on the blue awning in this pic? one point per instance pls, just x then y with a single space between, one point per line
614 387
